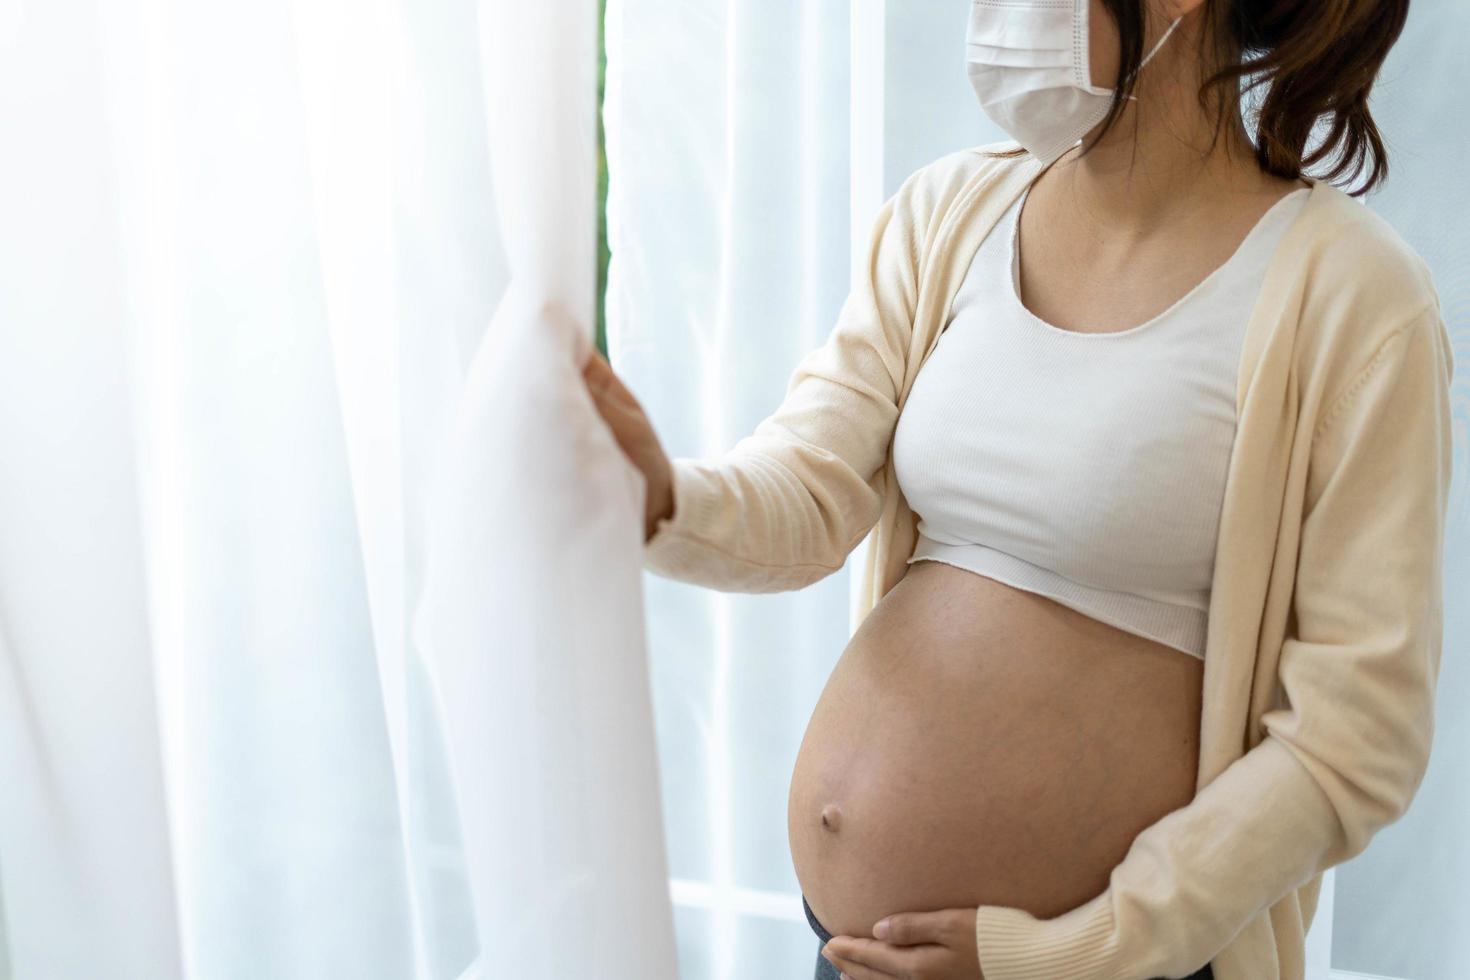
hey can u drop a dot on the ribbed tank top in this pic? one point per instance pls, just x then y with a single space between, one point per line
1087 467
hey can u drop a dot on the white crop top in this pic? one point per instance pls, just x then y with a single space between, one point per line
1088 467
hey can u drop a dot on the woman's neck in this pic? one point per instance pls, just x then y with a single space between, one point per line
1156 164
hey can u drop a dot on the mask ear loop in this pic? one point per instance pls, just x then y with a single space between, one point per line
1155 49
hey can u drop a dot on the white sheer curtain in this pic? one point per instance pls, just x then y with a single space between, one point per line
533 609
249 258
729 194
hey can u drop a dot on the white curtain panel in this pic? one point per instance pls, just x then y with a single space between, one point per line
533 610
256 265
728 162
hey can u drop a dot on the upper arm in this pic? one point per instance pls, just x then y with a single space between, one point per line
786 504
1360 664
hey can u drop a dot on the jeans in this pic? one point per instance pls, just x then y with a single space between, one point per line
826 971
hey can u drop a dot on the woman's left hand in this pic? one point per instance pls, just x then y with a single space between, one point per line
912 946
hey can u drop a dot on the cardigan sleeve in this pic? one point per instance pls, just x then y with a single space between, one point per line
1347 752
786 505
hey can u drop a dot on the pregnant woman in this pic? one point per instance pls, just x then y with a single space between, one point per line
1150 437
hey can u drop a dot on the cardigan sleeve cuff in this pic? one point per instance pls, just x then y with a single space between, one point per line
1082 943
673 550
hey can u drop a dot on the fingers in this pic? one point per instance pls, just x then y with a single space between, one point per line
853 954
911 928
856 971
627 422
601 376
597 372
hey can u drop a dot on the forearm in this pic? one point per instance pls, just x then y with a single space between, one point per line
746 522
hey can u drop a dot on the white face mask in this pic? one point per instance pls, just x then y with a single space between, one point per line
1028 63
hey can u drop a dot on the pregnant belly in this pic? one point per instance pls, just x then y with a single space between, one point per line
978 744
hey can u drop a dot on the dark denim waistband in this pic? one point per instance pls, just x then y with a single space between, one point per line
822 933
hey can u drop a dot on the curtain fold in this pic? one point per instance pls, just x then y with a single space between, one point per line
86 848
532 618
251 255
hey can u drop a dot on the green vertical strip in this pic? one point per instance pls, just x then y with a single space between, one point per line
604 254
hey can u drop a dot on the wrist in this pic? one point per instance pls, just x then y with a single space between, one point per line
661 503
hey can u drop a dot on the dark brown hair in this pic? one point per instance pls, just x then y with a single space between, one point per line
1317 57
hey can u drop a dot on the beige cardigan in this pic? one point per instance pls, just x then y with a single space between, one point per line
1325 617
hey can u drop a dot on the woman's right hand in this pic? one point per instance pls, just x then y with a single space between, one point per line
635 435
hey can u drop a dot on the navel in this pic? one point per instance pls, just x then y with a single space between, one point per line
831 817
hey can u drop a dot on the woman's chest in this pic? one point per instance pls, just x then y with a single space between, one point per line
1105 462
